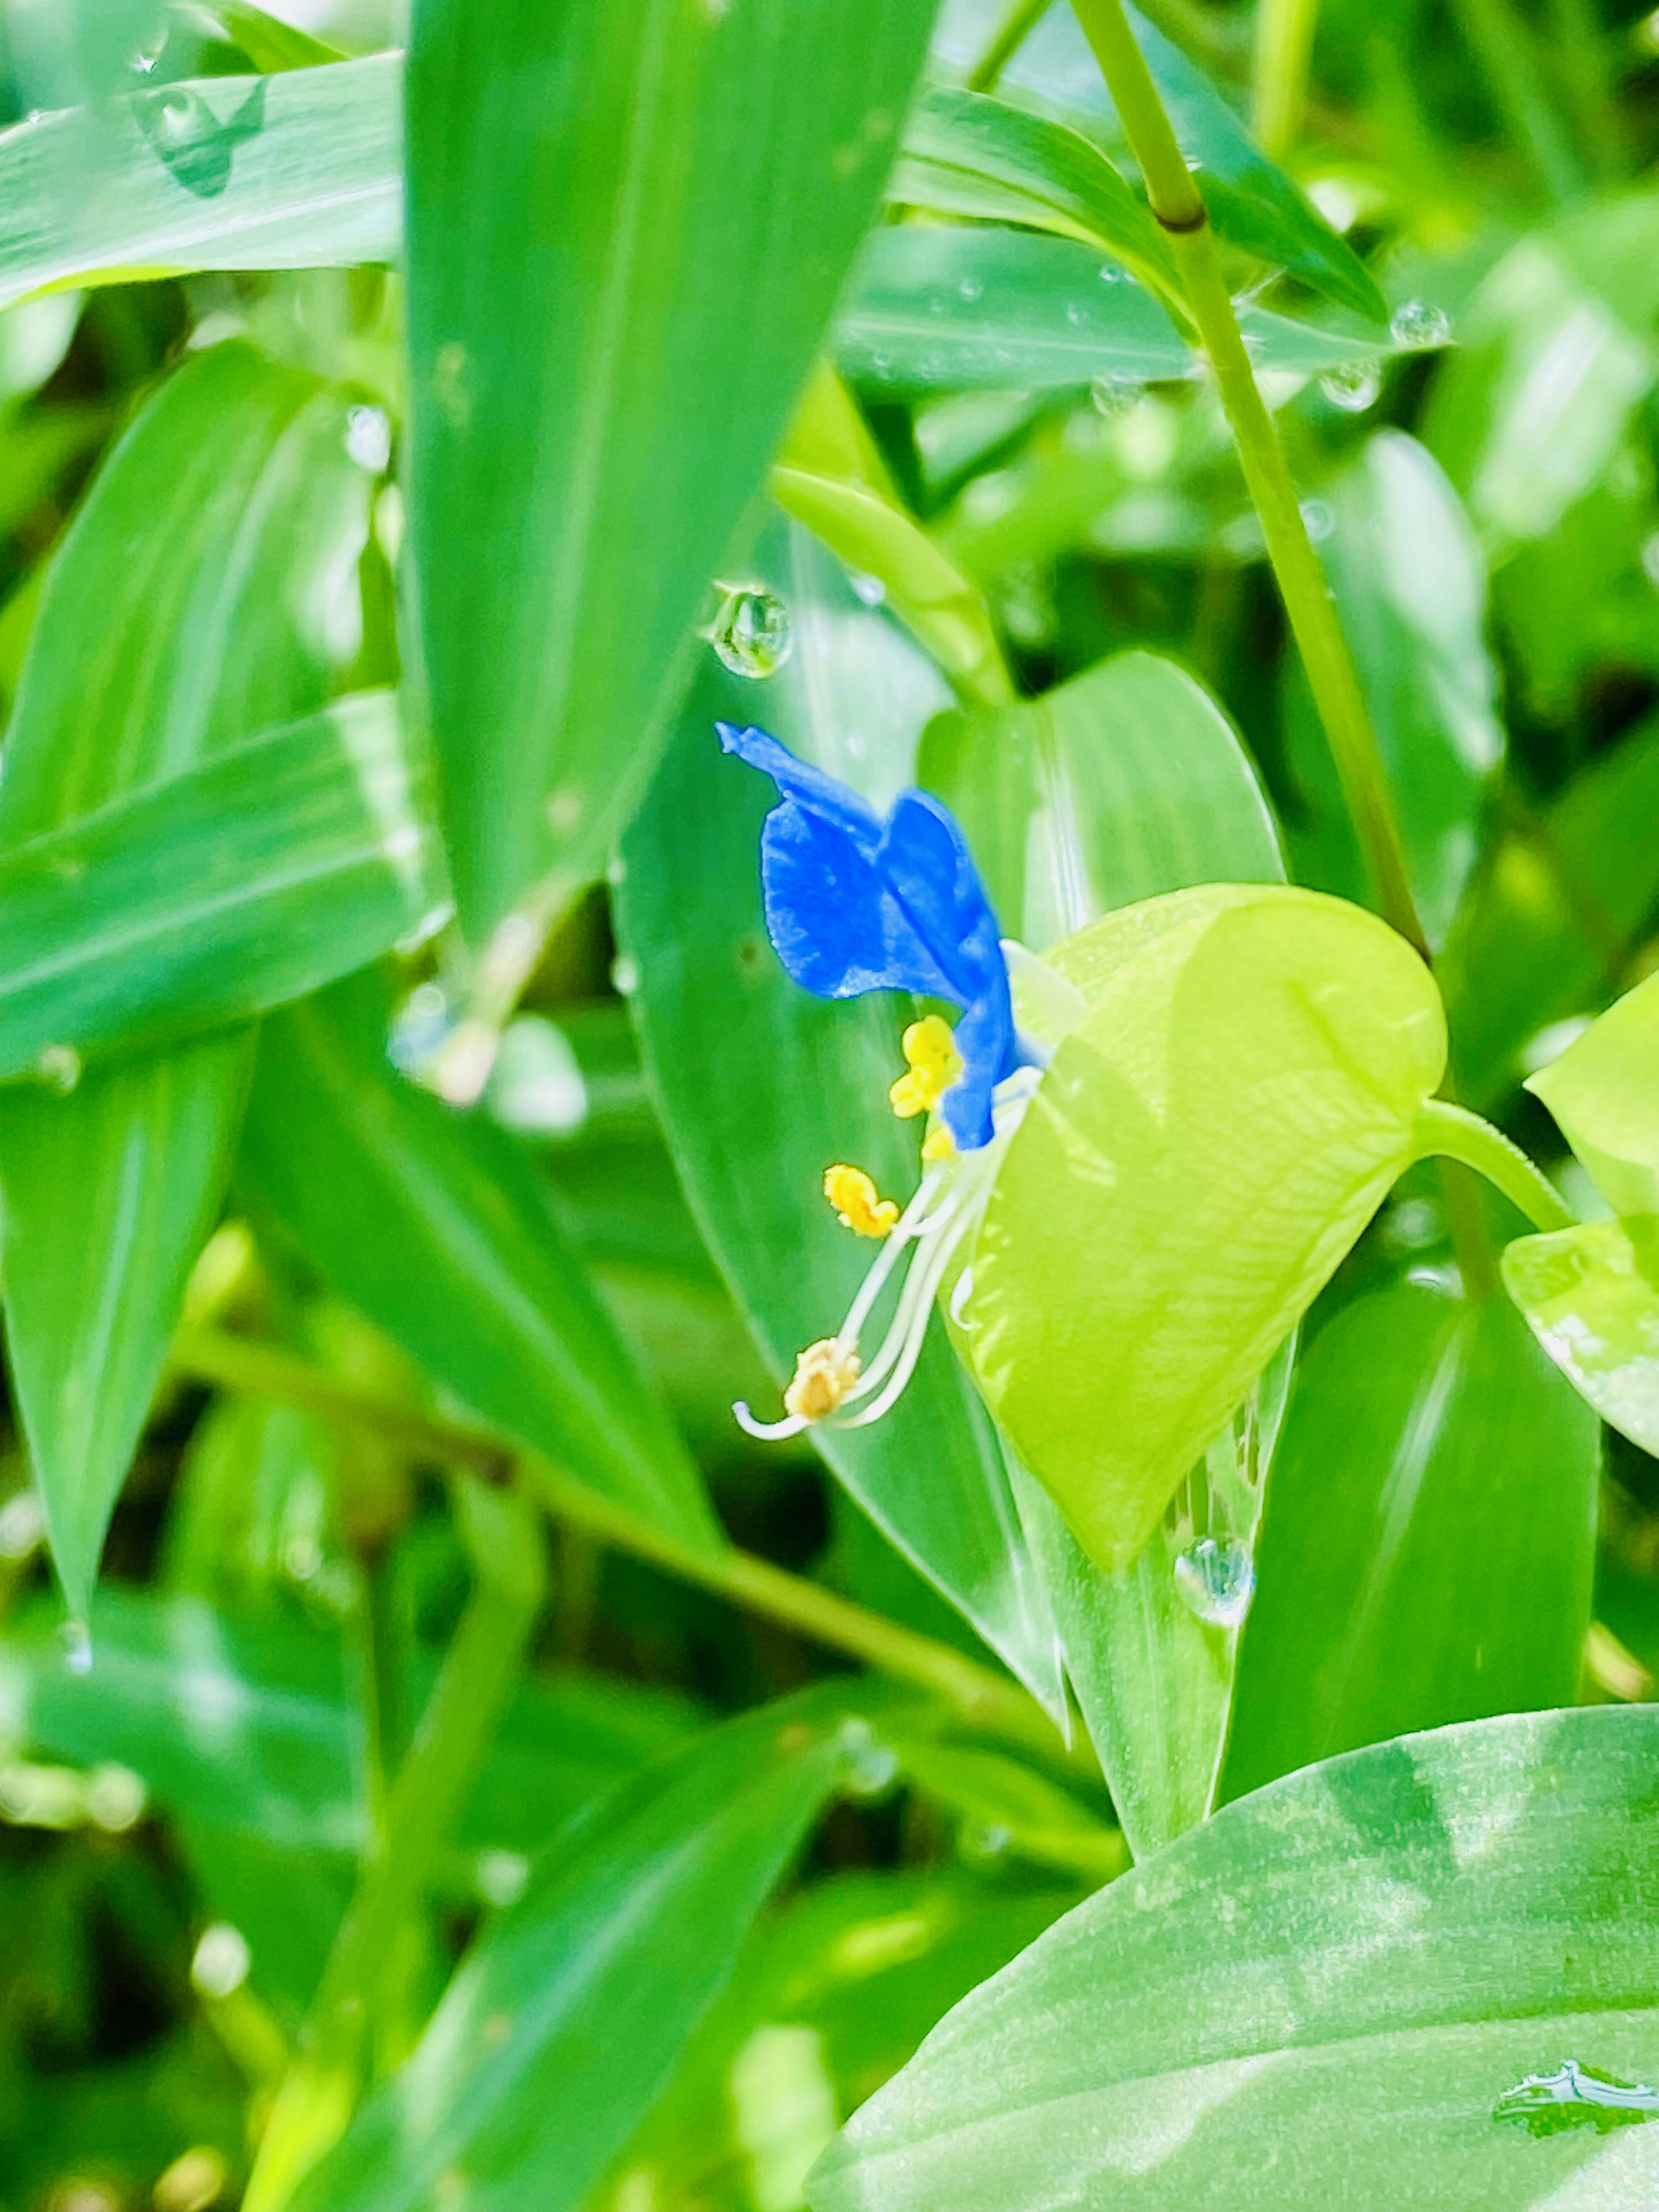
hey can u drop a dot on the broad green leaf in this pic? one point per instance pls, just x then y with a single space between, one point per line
1409 581
1544 925
762 1087
437 1228
272 868
965 154
1604 1092
627 228
1316 1999
1430 1562
1252 203
629 1927
935 306
1554 351
1205 1147
255 1727
302 170
1125 782
1592 1297
219 546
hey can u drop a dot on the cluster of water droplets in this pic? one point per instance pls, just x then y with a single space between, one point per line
751 633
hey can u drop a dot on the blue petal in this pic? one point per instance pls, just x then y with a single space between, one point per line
810 788
832 916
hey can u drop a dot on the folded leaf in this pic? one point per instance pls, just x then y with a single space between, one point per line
219 546
1592 1297
627 228
1430 1562
437 1228
1317 1998
1205 1145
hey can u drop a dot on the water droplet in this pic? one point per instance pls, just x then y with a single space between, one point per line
984 1840
220 1965
501 1876
369 439
76 1638
751 632
22 1526
1115 397
1317 519
969 288
868 1766
1650 558
1575 2096
1217 1581
59 1067
1108 275
1418 324
624 976
869 589
419 1027
116 1797
1353 387
1074 313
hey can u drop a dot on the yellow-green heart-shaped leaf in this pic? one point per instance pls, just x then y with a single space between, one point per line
1205 1145
1604 1092
1592 1297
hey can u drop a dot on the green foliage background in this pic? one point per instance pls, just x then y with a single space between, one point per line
496 1780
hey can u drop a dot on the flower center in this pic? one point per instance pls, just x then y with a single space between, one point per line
934 1066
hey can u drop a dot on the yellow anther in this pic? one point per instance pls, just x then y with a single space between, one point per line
938 1145
853 1195
825 1373
935 1064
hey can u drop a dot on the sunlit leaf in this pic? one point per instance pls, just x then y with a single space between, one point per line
1604 1092
1592 1297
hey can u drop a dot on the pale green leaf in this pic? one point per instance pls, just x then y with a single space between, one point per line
1592 1297
1604 1092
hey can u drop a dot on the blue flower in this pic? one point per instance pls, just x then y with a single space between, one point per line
856 904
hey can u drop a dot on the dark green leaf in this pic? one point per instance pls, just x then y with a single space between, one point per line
563 2024
1431 1562
626 229
219 545
1316 1999
437 1228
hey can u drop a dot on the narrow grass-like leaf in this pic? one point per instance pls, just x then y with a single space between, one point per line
627 226
563 2024
762 1086
273 867
437 1229
299 171
1316 1999
219 546
1128 781
1430 1563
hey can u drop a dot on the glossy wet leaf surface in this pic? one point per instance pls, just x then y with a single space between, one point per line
1592 1297
1222 1123
1431 1563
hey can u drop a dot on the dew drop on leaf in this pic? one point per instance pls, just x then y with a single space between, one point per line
1115 397
77 1647
868 1766
1217 1580
751 633
1353 387
59 1067
1417 324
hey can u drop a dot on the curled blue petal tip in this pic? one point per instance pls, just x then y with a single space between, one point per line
857 903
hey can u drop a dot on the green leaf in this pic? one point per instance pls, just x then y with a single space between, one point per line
268 43
1546 923
219 544
437 1228
1604 1092
1316 1999
564 2022
1125 782
302 170
762 1087
1205 1145
1008 1806
1592 1297
627 228
1431 1562
1410 583
274 866
1554 352
965 154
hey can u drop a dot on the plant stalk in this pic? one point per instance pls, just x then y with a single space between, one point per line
983 1700
1452 1132
1278 88
1179 206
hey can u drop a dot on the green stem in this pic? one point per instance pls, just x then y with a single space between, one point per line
1502 43
983 1700
1006 41
1178 205
480 1669
1452 1132
1279 88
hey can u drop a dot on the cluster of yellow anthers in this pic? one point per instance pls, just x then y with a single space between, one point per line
934 1066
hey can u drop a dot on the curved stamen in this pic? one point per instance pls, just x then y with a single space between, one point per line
912 1343
768 1431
